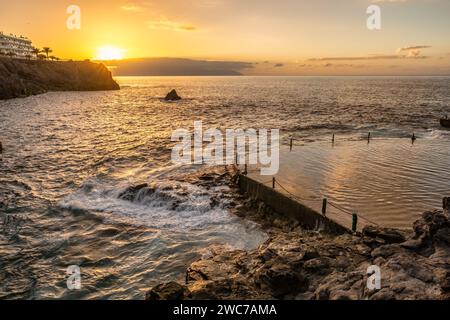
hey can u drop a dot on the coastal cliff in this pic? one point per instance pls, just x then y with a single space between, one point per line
20 78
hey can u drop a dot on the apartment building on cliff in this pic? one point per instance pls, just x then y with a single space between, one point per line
16 47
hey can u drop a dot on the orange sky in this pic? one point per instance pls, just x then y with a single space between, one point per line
290 36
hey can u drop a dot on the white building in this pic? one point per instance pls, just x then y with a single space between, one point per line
16 47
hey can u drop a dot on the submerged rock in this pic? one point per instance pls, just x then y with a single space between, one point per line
172 96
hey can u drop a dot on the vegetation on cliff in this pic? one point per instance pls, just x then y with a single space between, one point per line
20 78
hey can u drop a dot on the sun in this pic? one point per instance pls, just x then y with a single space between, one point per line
109 53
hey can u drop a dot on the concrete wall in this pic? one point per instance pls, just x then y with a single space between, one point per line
283 205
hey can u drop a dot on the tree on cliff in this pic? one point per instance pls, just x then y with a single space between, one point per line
47 51
36 51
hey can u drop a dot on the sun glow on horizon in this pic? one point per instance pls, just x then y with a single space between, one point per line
106 53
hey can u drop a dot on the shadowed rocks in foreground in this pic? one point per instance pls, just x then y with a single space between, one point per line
302 264
21 78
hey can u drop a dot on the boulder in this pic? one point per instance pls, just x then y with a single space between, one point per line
167 291
172 96
280 279
387 234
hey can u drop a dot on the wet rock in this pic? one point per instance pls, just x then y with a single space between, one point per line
132 193
168 291
172 96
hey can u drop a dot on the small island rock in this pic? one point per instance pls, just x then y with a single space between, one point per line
172 96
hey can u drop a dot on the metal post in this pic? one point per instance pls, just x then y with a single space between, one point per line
273 182
368 138
333 139
245 170
324 206
291 145
354 222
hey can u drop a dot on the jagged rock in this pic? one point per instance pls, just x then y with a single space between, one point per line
387 234
280 279
172 96
131 193
168 291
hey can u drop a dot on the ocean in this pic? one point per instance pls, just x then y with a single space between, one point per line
67 156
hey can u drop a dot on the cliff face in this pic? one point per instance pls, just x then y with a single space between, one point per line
19 78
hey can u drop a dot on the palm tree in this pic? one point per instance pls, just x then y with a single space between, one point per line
47 51
36 51
28 56
41 56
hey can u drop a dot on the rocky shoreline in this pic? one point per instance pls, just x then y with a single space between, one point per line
21 78
295 263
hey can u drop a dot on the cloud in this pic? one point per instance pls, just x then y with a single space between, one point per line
414 48
373 57
132 7
413 51
278 65
381 1
135 6
411 54
170 25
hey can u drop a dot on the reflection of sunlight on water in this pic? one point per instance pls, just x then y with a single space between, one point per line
389 181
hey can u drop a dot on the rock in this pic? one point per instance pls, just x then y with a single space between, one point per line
172 96
167 291
134 192
306 264
387 234
280 279
446 204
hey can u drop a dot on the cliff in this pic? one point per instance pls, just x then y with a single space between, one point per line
19 78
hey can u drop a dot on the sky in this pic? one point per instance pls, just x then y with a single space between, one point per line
277 37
